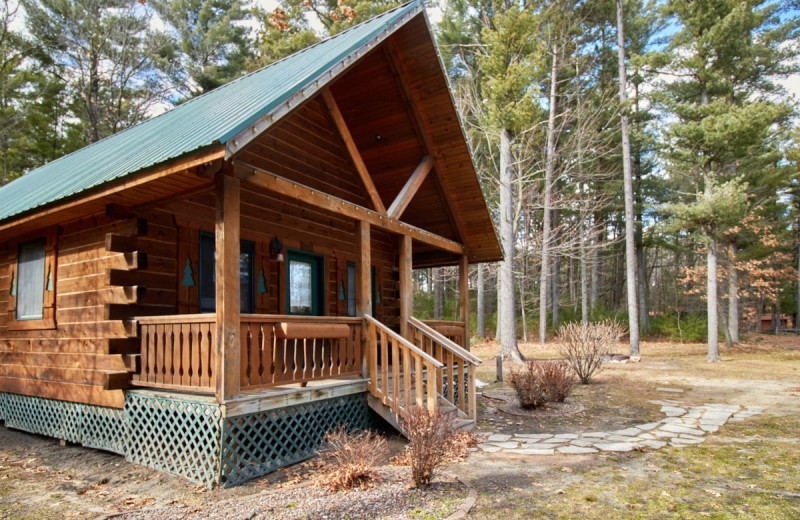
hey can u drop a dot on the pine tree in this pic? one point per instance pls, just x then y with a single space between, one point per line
108 55
726 57
213 43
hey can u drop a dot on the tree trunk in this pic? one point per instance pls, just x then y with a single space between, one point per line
630 249
711 307
506 301
596 242
641 281
641 261
733 298
481 318
438 294
555 281
548 180
584 277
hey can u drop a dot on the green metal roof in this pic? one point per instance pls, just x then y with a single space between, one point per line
206 121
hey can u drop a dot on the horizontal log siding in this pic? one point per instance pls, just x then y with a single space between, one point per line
265 216
72 362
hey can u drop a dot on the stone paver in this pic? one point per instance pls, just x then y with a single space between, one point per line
672 411
683 426
576 450
615 446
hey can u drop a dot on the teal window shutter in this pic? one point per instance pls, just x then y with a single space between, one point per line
262 286
188 275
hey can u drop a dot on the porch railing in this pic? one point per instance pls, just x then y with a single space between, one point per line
178 352
455 331
457 372
297 349
400 374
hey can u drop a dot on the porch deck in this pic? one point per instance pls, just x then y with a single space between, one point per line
286 360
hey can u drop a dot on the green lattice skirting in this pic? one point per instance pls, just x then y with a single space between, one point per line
189 437
178 436
92 426
258 443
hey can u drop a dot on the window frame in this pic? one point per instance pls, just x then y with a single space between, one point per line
248 245
317 287
48 316
373 289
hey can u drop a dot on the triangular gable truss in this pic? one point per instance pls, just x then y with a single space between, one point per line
321 87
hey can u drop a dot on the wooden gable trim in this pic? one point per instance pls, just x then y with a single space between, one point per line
352 149
199 159
260 125
295 191
418 121
411 187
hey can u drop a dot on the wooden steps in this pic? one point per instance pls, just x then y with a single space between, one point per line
460 419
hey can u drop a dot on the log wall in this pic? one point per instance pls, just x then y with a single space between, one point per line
111 269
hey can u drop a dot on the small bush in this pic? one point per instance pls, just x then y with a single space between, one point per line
586 347
557 378
540 382
350 459
456 449
429 435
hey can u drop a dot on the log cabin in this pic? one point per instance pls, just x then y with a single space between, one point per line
210 291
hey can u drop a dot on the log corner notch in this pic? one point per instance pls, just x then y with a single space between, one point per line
128 284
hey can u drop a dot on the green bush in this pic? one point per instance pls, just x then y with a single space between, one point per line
691 328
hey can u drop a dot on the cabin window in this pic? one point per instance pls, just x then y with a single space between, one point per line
351 290
31 280
31 302
208 274
305 282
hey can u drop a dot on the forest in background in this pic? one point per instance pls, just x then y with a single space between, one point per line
712 144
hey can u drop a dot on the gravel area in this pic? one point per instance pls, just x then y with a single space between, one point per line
390 499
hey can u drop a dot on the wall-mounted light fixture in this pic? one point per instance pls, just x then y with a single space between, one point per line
276 249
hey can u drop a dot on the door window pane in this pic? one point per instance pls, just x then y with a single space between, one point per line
301 286
30 280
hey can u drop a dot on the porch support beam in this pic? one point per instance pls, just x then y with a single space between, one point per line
363 269
352 149
226 234
463 297
293 190
411 187
406 293
418 121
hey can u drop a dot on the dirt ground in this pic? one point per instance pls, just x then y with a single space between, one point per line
745 470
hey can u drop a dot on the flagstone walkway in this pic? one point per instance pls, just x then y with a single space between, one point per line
684 425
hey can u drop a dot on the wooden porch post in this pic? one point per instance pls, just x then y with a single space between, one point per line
227 287
463 296
406 293
363 269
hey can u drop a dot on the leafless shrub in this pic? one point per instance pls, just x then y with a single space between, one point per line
456 449
557 378
350 459
429 435
540 382
525 380
586 347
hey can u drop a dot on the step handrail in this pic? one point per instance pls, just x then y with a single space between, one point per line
448 344
410 346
